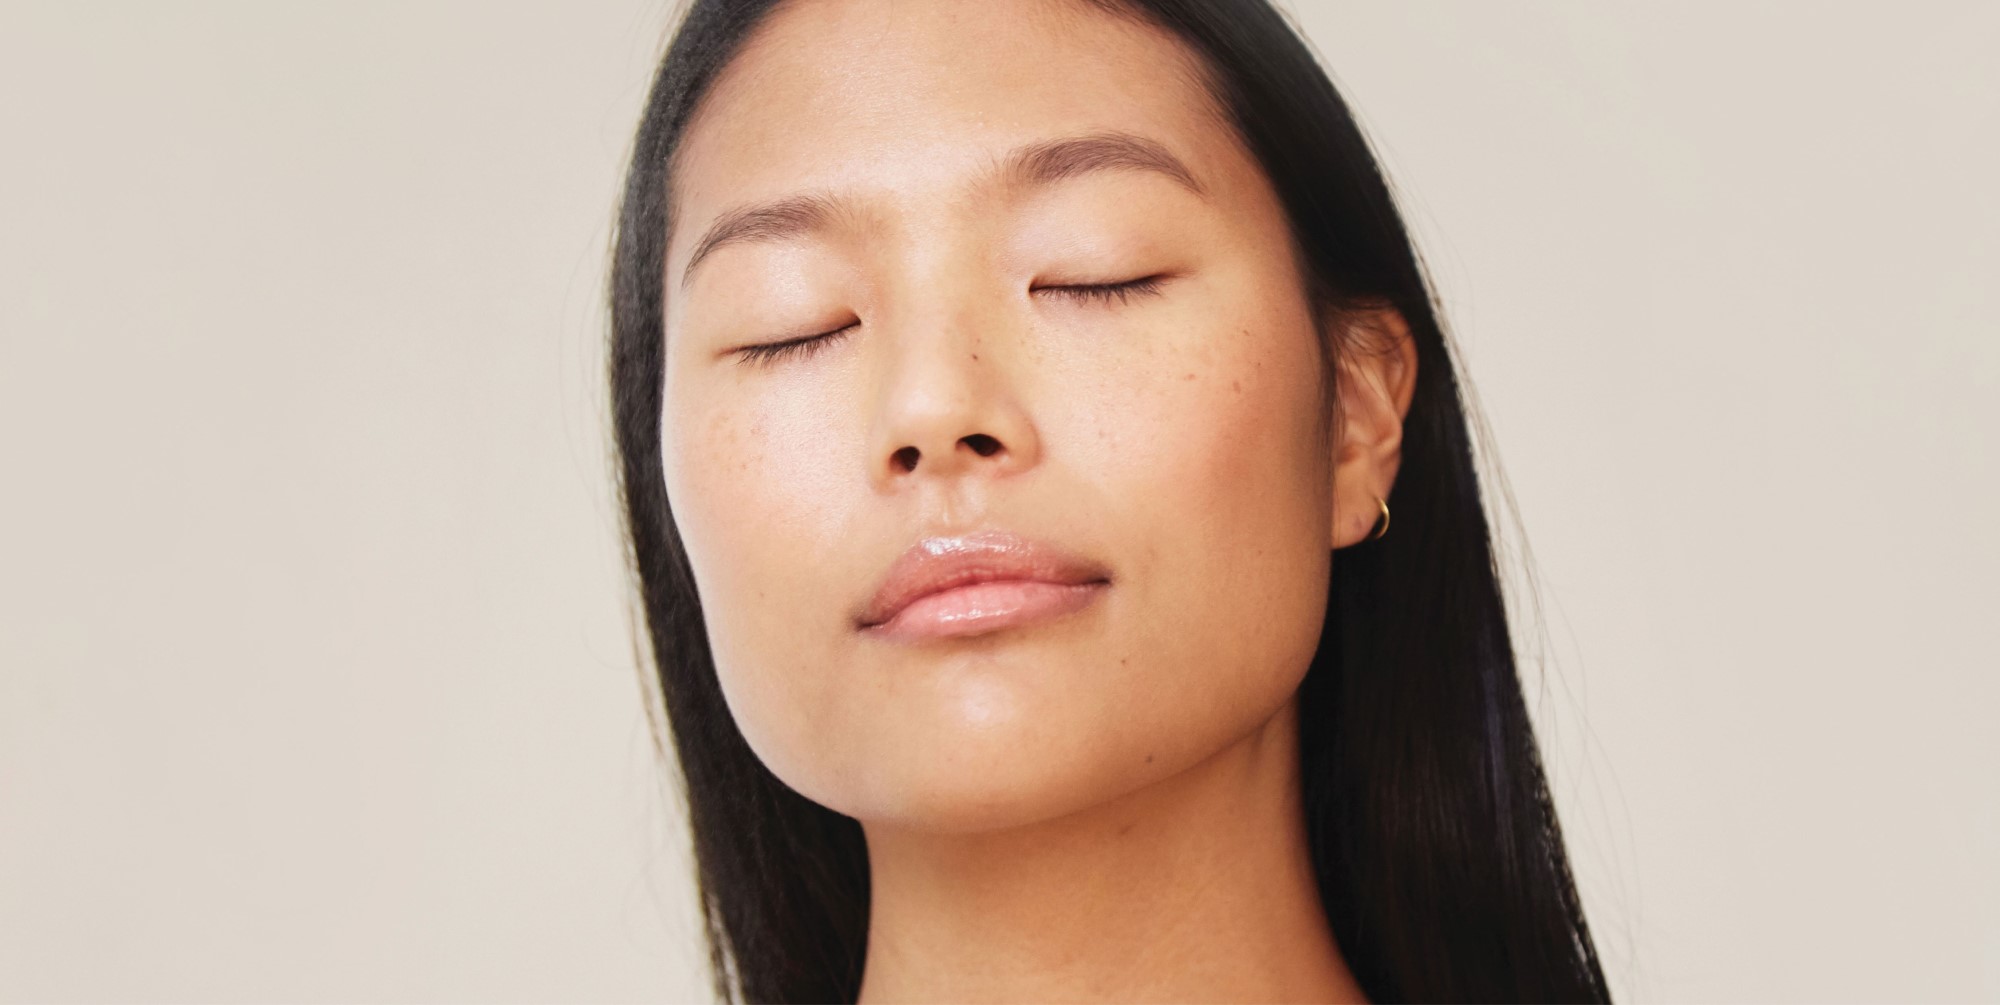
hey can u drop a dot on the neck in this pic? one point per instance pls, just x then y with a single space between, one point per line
1197 888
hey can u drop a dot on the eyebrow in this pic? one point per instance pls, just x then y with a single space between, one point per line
1029 166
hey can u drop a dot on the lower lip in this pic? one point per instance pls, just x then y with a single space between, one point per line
986 607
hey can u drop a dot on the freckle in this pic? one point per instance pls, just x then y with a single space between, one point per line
1237 386
975 357
1149 758
1127 829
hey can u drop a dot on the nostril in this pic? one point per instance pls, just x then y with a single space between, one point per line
982 444
906 458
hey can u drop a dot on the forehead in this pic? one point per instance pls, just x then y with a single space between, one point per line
918 98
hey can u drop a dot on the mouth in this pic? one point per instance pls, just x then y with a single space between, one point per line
975 584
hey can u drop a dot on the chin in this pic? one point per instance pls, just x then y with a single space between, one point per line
988 784
958 739
970 805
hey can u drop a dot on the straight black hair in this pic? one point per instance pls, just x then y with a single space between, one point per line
1438 855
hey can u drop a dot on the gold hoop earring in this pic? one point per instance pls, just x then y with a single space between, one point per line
1384 527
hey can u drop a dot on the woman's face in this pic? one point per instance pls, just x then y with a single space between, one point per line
936 179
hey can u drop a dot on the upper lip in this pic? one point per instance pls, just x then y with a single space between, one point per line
936 564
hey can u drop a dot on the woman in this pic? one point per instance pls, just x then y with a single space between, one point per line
1011 400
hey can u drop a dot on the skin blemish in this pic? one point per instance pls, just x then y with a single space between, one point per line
1188 377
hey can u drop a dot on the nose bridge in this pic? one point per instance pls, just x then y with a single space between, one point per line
948 403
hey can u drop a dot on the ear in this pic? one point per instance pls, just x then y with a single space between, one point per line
1377 377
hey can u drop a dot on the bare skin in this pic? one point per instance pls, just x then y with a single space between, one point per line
1103 807
1195 888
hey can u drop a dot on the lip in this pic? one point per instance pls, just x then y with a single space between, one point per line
972 584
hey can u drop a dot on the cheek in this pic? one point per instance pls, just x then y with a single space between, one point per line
1218 436
751 483
761 478
755 476
713 458
1217 456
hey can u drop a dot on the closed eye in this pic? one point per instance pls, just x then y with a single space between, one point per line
798 348
1106 292
808 346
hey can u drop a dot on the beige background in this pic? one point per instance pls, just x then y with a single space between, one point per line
315 673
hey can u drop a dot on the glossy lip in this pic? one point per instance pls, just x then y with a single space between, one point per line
975 583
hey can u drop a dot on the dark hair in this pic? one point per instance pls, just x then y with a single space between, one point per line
1436 847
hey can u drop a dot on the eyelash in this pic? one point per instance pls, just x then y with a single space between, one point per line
802 348
810 345
1124 292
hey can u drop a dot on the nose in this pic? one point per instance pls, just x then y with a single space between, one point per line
951 409
906 459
